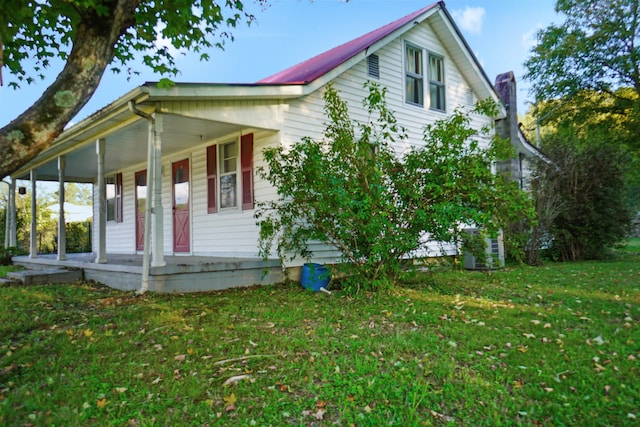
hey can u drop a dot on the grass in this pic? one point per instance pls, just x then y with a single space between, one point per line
4 269
554 345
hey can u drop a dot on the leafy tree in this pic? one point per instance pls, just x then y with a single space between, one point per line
89 35
596 48
580 193
586 68
46 225
352 191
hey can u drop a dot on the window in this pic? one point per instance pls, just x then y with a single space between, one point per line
228 175
229 171
436 83
373 66
414 75
114 197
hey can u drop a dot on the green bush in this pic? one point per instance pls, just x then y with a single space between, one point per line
78 237
582 197
354 192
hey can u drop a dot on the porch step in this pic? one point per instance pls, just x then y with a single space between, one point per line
5 281
46 276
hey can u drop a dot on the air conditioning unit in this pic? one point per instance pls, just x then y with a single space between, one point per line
495 253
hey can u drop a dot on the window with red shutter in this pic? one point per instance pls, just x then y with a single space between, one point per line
246 165
212 178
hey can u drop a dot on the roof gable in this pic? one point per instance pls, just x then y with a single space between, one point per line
311 69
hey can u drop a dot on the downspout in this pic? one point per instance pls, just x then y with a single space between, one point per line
144 286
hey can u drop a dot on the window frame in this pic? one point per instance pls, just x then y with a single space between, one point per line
116 181
416 77
439 85
222 173
244 170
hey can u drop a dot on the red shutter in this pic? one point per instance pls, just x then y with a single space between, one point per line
118 213
212 168
246 165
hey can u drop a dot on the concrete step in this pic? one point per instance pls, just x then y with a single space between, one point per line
5 281
47 276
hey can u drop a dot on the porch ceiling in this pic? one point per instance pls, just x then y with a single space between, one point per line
126 139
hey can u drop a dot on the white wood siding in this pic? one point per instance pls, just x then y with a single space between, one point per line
120 235
305 117
276 122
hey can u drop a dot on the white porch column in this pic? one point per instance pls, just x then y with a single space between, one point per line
13 241
101 211
62 231
157 259
33 237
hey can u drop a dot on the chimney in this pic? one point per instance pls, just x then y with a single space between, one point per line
508 127
506 88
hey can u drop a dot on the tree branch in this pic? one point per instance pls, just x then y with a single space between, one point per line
93 48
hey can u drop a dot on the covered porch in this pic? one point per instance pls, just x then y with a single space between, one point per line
143 135
179 274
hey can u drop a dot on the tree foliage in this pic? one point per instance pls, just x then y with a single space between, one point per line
354 192
587 68
596 48
90 35
581 197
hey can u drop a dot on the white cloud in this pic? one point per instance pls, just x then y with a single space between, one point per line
529 39
470 19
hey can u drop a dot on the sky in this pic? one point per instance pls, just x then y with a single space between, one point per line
500 33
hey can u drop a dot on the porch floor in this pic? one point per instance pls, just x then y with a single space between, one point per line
180 274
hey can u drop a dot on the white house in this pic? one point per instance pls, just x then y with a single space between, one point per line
174 169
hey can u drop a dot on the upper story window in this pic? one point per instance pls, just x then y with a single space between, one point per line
436 83
414 75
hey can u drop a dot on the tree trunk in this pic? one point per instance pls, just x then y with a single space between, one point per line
93 49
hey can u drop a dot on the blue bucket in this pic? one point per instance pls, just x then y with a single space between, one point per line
315 276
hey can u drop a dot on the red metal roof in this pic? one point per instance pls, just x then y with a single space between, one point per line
309 70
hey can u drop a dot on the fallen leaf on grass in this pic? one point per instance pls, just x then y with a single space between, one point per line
599 368
120 389
528 335
101 403
437 415
230 401
318 415
181 357
235 379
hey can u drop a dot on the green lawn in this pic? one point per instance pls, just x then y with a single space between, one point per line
555 345
4 269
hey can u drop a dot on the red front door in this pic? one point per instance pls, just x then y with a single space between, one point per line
141 206
181 192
